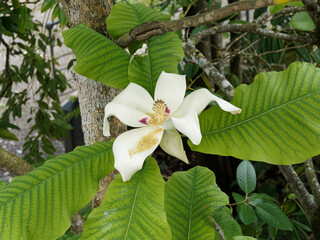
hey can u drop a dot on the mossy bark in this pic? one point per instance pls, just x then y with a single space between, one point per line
14 164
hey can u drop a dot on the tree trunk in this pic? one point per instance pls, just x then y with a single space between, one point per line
93 96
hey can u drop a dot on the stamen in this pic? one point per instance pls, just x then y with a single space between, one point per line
160 115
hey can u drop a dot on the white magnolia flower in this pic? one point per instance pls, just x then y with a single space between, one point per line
158 120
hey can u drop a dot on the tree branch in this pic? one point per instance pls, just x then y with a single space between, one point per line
249 27
155 28
211 71
296 185
14 164
312 180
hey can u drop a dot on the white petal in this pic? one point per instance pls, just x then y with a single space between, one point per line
199 99
130 152
188 124
170 88
136 97
126 115
171 143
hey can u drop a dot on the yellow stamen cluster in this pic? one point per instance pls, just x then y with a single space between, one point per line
145 143
159 115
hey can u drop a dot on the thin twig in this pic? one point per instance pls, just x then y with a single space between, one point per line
7 67
218 229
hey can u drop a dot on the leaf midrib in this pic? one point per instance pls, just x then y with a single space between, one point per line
42 182
191 204
261 114
133 205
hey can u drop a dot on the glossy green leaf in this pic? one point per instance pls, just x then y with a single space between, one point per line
98 58
123 17
279 123
271 214
62 18
190 199
131 210
246 177
246 213
22 21
164 54
228 225
302 21
237 197
6 134
39 205
47 4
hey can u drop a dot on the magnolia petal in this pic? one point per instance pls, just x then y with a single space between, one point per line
199 99
126 115
135 97
171 143
188 124
131 148
170 88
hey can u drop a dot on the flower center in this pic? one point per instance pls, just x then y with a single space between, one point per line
159 115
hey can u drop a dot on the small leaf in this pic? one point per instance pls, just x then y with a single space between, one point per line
302 21
237 197
6 134
271 214
47 4
22 18
246 177
246 213
62 18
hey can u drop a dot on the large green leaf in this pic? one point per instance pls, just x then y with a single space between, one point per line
131 210
98 58
163 52
39 205
190 198
123 17
279 123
